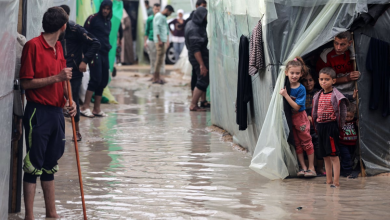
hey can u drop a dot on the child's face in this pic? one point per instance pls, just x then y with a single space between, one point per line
326 81
308 83
350 116
294 73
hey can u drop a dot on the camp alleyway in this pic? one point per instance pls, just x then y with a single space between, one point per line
153 159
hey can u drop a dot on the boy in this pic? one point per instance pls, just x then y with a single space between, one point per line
348 138
329 113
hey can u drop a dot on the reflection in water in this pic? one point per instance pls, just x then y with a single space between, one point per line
153 159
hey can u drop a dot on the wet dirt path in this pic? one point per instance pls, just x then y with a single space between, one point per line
153 159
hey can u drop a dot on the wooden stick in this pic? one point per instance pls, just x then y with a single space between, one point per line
77 152
357 111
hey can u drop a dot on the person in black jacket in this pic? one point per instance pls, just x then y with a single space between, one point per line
77 39
198 54
99 25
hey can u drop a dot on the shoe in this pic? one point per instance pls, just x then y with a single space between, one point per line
205 104
79 137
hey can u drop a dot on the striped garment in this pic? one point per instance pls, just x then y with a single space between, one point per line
325 108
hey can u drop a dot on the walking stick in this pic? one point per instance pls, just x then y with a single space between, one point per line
77 152
357 110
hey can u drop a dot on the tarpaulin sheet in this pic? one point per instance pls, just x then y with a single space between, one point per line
296 28
8 33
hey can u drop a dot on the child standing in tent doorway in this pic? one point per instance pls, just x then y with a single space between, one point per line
329 113
311 90
295 70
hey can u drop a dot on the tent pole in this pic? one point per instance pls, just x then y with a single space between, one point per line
357 111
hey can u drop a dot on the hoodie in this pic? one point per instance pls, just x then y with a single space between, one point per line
196 36
100 27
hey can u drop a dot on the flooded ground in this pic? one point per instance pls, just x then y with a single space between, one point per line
153 159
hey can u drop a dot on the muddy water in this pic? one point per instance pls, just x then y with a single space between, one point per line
153 159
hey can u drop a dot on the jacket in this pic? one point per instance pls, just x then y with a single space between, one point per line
339 103
100 27
196 36
76 40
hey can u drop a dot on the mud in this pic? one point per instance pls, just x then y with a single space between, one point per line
153 159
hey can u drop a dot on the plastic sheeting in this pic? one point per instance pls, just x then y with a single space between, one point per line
8 33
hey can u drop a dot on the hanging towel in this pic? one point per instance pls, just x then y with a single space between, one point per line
256 57
244 84
378 64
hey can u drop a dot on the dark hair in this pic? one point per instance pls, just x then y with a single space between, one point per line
345 35
156 5
199 2
298 61
328 71
170 8
66 8
146 2
53 19
351 108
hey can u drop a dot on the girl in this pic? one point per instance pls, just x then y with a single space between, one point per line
295 70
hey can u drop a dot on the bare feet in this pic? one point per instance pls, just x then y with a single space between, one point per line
195 108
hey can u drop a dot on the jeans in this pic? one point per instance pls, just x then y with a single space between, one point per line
178 49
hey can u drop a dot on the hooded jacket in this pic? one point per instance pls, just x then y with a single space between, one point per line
76 40
196 36
100 27
339 103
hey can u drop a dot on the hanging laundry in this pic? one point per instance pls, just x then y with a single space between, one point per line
378 64
256 57
244 85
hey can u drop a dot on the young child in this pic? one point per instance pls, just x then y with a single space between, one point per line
295 70
348 138
309 84
329 113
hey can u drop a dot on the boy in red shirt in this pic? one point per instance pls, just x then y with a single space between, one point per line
329 113
43 74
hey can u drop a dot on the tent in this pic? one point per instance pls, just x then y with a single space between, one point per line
290 28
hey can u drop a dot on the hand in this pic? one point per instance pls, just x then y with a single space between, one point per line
355 92
146 45
310 119
160 43
353 76
283 92
203 70
72 110
83 67
65 74
17 134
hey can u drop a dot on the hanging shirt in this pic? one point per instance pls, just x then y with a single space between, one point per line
299 96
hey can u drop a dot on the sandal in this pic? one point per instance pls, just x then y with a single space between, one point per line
79 137
100 114
205 104
87 113
310 173
301 173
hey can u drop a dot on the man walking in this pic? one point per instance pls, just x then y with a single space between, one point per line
198 54
77 39
99 25
43 74
161 33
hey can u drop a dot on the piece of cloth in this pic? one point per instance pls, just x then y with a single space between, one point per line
160 54
341 64
328 139
202 82
40 61
256 57
178 49
339 103
244 85
127 44
301 132
287 109
45 141
178 30
75 83
299 97
346 152
149 28
348 134
378 64
79 46
149 11
152 51
325 110
100 27
99 73
194 78
160 27
196 35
